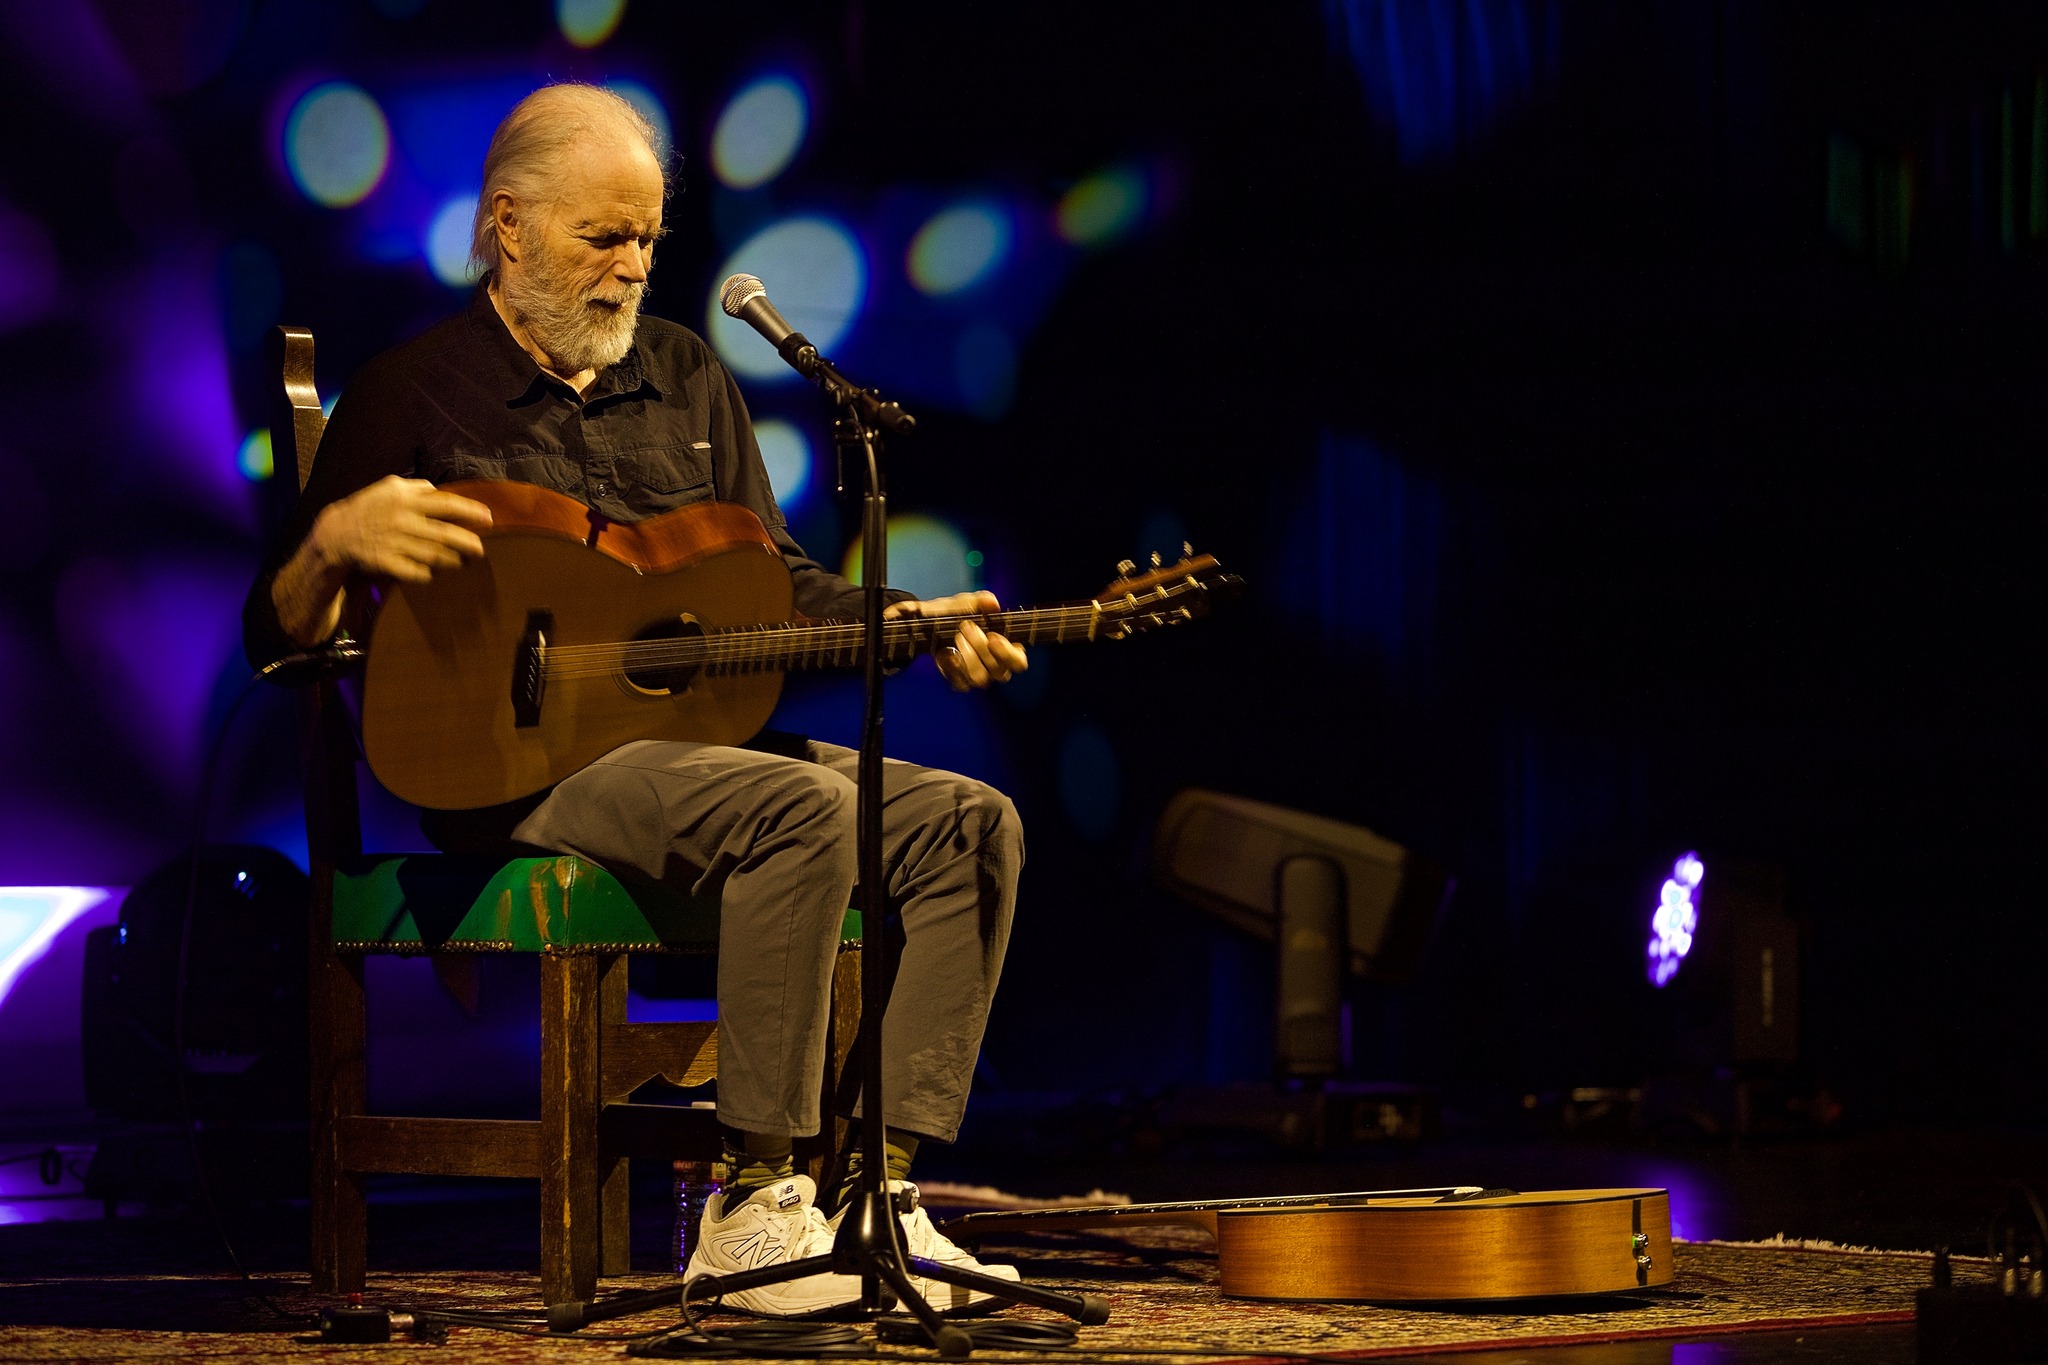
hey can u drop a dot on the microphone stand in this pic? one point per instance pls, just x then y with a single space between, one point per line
870 1240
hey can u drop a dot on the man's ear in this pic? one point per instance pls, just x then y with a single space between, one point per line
505 218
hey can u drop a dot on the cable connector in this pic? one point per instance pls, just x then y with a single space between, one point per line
338 656
358 1326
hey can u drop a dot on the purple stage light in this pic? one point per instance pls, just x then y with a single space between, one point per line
153 636
179 376
28 270
31 917
1676 918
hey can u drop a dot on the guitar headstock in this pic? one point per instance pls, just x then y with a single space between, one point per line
1164 595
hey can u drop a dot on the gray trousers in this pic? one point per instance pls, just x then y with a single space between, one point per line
773 839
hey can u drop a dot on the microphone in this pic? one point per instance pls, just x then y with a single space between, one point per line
744 297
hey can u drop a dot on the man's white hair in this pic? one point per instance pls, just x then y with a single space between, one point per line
526 152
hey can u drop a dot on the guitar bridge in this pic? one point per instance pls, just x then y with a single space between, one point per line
529 669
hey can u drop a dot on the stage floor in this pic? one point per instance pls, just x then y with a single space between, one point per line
149 1286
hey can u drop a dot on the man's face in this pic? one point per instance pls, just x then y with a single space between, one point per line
584 259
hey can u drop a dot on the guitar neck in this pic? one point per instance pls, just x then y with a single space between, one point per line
836 644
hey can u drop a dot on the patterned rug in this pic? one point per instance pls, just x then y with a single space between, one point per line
1160 1281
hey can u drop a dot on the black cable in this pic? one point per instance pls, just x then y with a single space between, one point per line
1015 1334
773 1339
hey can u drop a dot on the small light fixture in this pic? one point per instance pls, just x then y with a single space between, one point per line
1676 918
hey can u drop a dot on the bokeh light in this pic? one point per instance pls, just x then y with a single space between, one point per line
255 458
336 144
815 273
787 454
985 366
1091 781
1102 208
927 556
759 132
959 247
588 23
651 108
252 292
448 240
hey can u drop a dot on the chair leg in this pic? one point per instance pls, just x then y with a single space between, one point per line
821 1155
571 1236
615 1203
337 1211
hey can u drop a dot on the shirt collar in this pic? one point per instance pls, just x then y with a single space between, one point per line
513 373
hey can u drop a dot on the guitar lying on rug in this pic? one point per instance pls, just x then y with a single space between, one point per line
574 634
1389 1246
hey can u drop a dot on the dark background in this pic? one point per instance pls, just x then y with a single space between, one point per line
1628 418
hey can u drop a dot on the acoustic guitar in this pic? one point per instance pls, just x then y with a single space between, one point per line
1453 1244
574 634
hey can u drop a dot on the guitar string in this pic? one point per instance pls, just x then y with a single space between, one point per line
786 649
804 646
793 646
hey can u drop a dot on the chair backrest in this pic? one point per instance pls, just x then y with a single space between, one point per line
327 742
297 423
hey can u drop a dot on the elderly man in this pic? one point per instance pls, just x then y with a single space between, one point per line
553 376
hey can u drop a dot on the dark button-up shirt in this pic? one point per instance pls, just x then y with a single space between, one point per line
663 427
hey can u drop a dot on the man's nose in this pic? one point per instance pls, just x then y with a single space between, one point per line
632 262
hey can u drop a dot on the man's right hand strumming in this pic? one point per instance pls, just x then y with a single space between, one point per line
397 529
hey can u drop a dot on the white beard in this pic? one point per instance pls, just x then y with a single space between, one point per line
573 327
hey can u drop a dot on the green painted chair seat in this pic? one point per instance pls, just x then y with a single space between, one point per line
433 902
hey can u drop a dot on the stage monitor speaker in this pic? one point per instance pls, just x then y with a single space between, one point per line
245 994
1230 855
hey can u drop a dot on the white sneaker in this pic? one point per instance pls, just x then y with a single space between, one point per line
774 1226
921 1238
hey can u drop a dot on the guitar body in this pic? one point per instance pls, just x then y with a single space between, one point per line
1520 1246
442 719
1395 1247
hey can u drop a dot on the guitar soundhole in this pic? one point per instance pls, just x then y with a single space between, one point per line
648 670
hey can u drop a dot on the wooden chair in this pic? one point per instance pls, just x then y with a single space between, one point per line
582 922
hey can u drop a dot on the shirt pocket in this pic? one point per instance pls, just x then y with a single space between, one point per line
520 464
655 478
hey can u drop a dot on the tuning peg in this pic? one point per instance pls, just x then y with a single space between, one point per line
1187 549
1156 559
1125 568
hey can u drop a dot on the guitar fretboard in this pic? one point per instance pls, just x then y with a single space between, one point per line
828 644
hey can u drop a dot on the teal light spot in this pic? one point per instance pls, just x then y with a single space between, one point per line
1091 781
974 559
787 454
985 366
927 556
651 108
758 134
255 459
252 291
448 242
959 247
588 23
336 144
1101 208
817 276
